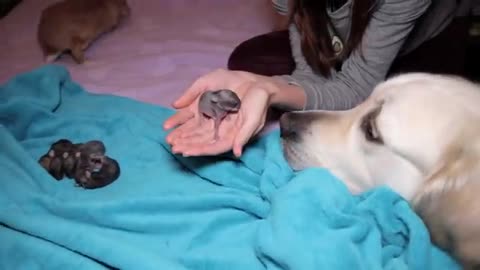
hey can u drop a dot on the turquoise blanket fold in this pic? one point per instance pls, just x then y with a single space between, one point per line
170 212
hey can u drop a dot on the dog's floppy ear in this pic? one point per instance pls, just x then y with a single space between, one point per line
446 203
457 167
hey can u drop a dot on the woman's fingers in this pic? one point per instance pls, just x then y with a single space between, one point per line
201 139
203 126
200 143
198 87
253 119
178 118
187 127
216 148
204 146
196 130
245 132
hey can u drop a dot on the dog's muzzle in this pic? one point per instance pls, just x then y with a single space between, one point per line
292 125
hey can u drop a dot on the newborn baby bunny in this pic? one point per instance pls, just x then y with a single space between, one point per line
217 105
93 168
72 25
109 172
54 160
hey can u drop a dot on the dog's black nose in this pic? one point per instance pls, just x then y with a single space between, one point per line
291 125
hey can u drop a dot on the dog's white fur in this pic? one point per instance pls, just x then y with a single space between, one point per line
420 136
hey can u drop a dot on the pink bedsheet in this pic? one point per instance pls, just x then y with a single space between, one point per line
154 55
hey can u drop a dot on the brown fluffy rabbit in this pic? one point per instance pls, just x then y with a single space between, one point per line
72 25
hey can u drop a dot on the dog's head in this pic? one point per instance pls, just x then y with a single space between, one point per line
418 134
413 130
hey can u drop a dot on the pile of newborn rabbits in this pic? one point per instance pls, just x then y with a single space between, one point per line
86 163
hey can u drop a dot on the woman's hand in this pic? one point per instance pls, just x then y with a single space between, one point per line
193 135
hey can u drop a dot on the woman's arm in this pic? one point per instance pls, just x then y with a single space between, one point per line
284 95
383 39
280 10
281 6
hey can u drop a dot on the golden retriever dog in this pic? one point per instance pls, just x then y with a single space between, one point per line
418 134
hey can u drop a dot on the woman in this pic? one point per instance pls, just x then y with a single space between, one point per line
340 48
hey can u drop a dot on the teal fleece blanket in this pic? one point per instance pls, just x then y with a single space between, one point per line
170 212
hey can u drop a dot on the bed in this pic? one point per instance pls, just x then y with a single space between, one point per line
167 211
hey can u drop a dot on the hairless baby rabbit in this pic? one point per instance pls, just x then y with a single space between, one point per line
93 168
217 105
54 160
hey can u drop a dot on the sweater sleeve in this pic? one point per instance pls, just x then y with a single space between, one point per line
281 6
386 33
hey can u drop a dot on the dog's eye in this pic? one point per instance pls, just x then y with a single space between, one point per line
370 129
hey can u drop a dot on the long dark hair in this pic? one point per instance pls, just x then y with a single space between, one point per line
311 19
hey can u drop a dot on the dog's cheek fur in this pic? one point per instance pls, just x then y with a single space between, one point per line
342 154
297 157
394 171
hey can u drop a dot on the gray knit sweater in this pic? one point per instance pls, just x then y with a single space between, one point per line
397 27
